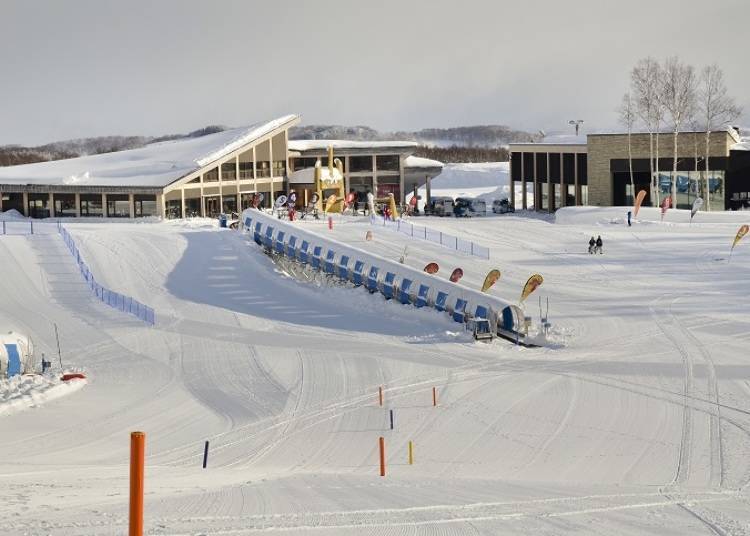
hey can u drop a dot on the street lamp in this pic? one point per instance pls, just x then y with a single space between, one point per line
577 123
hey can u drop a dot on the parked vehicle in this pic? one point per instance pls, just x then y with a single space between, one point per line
468 207
440 206
502 206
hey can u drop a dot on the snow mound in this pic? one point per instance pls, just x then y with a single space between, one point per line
33 390
11 215
647 215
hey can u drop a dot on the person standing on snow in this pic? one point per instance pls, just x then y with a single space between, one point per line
370 203
592 243
599 244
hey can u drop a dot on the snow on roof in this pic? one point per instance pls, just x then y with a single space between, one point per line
743 145
155 165
419 162
311 145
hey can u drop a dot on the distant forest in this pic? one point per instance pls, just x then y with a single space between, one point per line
461 144
458 154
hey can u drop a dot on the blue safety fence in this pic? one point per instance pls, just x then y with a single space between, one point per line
431 235
118 301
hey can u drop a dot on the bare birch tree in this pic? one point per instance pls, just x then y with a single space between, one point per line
644 81
717 110
628 117
679 85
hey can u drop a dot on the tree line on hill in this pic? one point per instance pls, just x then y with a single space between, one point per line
483 143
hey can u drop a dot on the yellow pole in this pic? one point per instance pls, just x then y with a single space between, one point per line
411 453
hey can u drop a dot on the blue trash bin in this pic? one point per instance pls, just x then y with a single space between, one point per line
223 220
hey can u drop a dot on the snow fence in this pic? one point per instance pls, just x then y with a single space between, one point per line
402 283
118 301
431 235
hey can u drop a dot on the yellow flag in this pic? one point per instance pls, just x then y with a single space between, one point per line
531 285
492 277
742 232
638 200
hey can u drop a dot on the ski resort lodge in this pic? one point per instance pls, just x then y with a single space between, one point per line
205 176
595 170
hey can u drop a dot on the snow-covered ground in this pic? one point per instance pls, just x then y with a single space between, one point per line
638 423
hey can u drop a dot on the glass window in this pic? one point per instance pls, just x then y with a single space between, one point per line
246 170
65 205
228 171
39 205
389 179
118 206
545 195
174 209
360 163
145 205
279 168
584 194
211 176
91 205
387 162
229 204
263 169
541 166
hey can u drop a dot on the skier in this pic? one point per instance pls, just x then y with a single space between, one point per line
592 243
599 245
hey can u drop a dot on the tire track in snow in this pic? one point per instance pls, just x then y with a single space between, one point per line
682 470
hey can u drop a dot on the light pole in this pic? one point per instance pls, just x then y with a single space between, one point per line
576 123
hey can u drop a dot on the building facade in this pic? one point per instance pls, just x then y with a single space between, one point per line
206 176
598 172
547 176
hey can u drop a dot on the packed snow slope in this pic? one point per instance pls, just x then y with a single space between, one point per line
637 421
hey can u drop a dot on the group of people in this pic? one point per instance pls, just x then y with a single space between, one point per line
596 245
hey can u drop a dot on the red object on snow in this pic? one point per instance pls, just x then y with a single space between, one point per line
330 222
73 376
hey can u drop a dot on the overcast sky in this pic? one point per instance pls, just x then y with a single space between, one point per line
88 68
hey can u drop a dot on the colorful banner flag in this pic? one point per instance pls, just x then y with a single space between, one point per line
432 268
531 285
697 204
456 276
665 206
492 277
740 233
638 200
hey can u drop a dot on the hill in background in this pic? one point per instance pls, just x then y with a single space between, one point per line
484 143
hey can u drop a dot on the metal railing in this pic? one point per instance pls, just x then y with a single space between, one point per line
431 235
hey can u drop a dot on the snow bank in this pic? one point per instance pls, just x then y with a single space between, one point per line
619 216
12 215
33 390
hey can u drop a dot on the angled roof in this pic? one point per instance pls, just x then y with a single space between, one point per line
418 162
155 165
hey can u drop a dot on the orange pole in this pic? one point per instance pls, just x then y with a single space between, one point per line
380 395
382 457
434 396
137 450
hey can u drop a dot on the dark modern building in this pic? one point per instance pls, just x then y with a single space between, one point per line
596 170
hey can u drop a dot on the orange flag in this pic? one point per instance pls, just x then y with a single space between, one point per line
638 200
742 232
531 285
492 277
